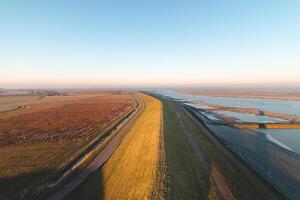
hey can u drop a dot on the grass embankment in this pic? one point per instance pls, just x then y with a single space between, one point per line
203 168
131 171
239 179
186 177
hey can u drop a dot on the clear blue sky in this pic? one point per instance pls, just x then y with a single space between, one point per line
149 43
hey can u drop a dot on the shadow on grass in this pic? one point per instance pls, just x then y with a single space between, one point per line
92 188
30 184
12 187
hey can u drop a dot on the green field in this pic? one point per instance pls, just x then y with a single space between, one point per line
186 178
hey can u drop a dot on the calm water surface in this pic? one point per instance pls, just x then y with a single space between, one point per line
270 105
288 137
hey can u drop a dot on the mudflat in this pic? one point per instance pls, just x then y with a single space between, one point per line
246 94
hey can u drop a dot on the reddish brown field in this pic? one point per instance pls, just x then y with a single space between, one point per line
36 141
72 120
21 104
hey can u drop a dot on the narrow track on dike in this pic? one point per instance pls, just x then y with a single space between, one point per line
102 157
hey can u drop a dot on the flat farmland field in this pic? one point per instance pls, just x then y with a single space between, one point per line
36 141
12 105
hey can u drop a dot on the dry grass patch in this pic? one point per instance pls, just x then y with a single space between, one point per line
131 171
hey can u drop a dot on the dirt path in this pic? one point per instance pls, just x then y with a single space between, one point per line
210 169
102 157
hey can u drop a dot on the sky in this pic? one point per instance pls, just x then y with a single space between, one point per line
121 43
